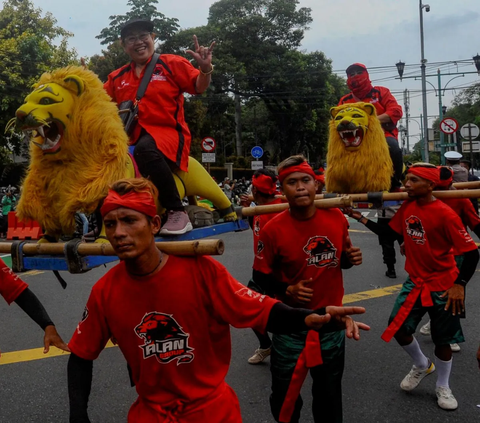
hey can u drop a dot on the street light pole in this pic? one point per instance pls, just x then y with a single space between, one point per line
424 80
440 115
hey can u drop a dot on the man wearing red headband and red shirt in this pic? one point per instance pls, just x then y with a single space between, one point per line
432 233
300 256
171 318
12 288
464 209
264 188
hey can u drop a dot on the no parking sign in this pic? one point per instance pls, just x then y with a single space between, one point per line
208 144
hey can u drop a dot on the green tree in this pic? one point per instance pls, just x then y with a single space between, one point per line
112 58
257 57
163 27
27 49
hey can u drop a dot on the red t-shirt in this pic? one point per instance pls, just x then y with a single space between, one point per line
160 111
11 286
464 208
259 222
173 329
295 250
384 102
432 234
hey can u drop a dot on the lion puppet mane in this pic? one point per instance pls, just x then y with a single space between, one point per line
93 154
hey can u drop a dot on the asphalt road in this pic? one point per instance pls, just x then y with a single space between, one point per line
35 391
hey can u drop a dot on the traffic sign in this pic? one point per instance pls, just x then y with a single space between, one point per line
475 146
208 157
257 164
257 152
208 144
469 130
449 126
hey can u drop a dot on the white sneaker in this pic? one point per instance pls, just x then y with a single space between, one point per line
425 329
415 376
455 347
260 355
445 398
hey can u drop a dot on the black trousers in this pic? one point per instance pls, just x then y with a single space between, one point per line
153 165
397 159
387 243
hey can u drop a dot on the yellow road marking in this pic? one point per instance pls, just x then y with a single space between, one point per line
31 273
34 354
37 353
374 293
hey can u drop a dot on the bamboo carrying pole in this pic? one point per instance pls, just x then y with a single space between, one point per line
458 185
210 247
399 196
344 201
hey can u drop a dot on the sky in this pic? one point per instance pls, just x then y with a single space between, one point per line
378 33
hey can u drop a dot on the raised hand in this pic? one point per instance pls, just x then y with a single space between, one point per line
202 55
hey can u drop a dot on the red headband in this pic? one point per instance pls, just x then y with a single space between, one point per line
302 168
320 178
142 202
429 173
265 184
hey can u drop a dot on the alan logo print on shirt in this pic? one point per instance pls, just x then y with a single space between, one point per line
164 339
321 252
260 247
256 227
415 229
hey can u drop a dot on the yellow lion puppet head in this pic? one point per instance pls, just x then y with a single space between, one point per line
78 147
47 110
358 159
352 124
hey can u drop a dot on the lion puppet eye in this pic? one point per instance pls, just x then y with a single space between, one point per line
357 115
45 101
339 117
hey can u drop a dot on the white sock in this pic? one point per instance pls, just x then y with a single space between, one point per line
414 351
443 371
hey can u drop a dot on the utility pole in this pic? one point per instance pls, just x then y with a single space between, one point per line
440 114
424 81
238 125
406 102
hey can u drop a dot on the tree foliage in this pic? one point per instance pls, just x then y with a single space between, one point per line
257 57
112 58
163 27
27 49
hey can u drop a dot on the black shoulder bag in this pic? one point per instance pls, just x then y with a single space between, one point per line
128 110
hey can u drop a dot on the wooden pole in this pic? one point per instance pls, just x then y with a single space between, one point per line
344 201
400 196
210 247
467 192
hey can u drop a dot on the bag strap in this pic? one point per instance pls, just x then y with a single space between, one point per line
146 77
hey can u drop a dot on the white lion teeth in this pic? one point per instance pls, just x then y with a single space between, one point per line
41 131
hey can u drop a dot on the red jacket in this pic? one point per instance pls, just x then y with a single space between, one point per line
384 102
